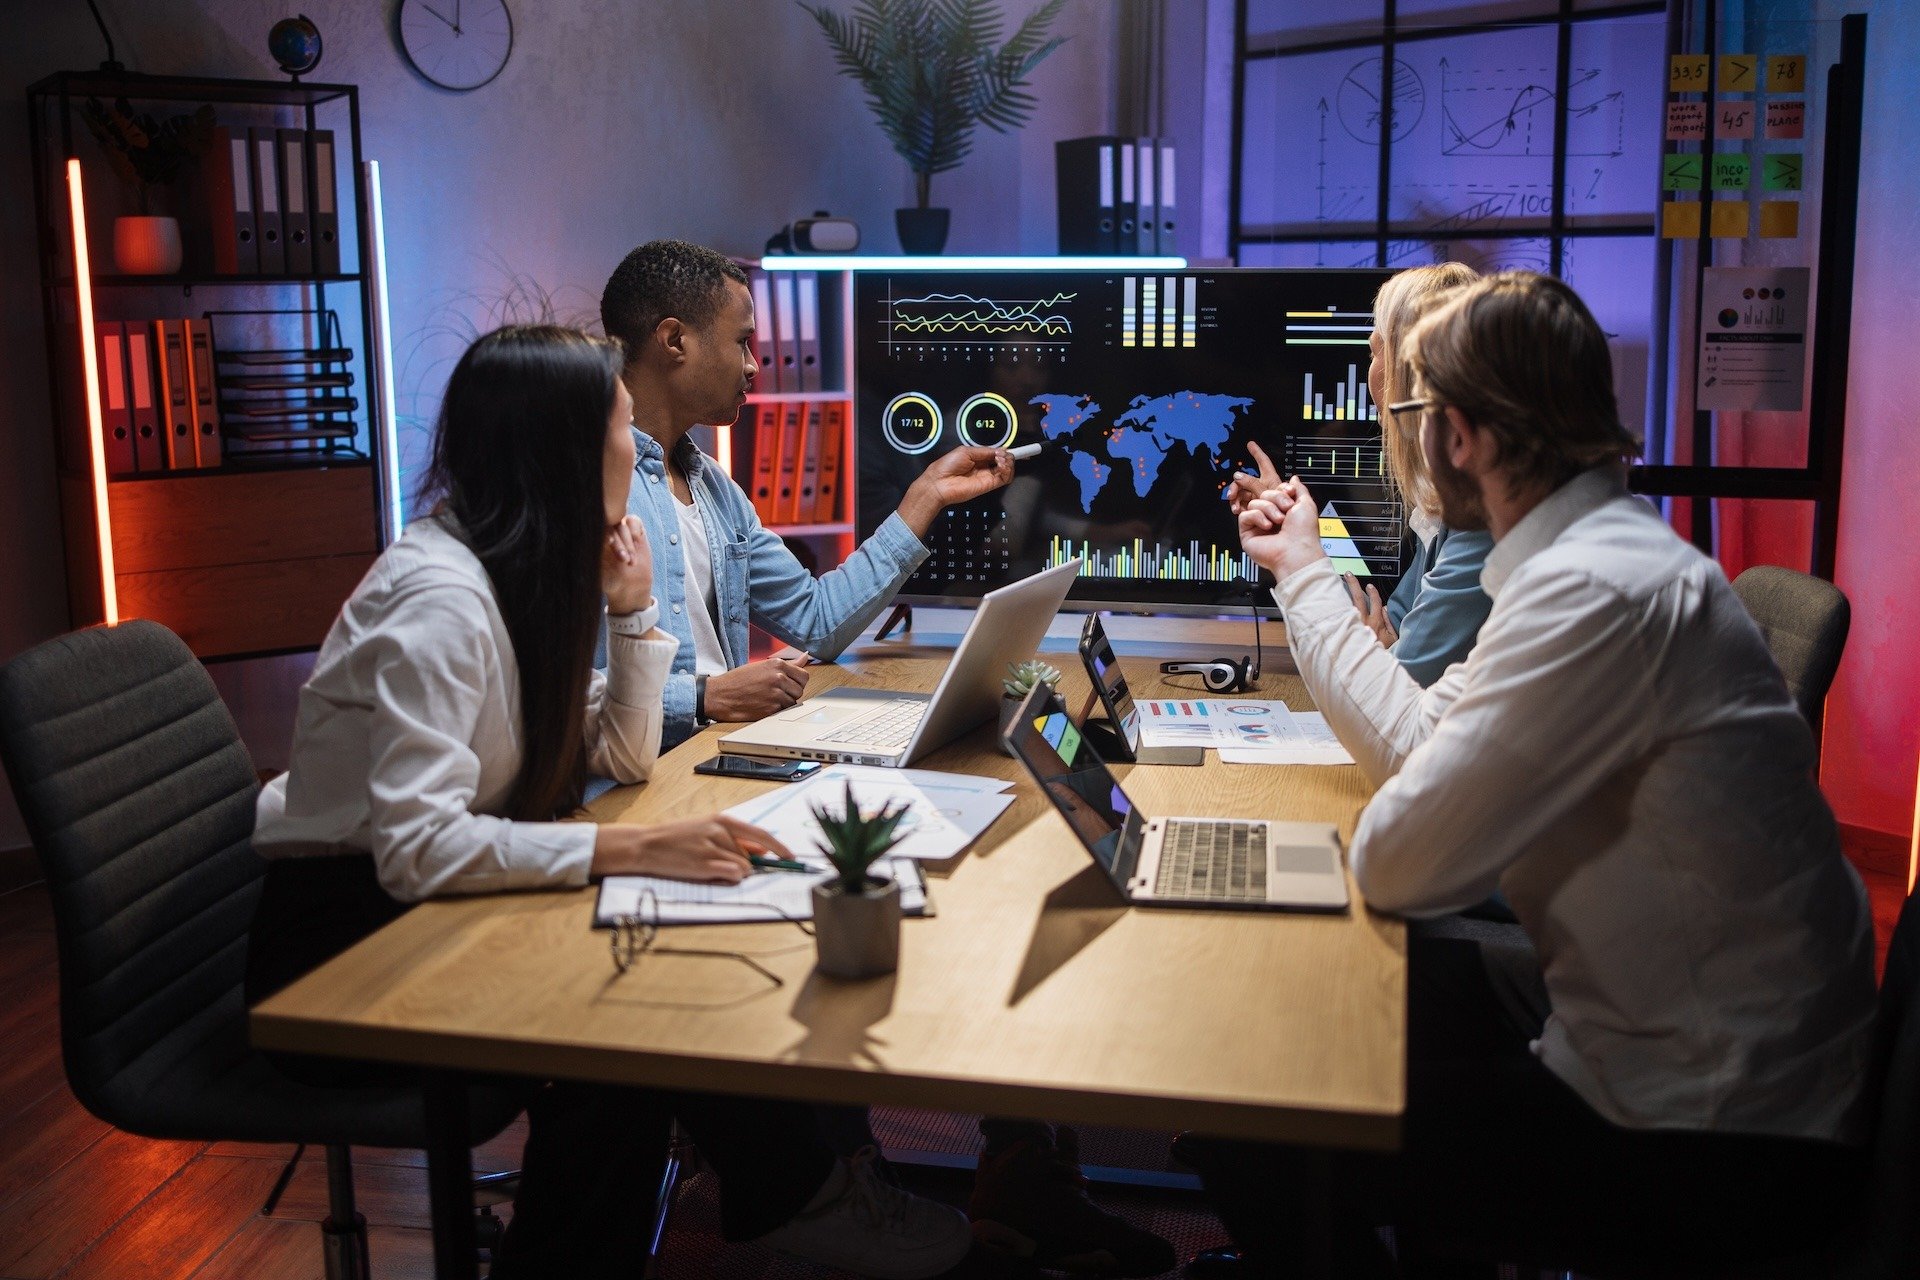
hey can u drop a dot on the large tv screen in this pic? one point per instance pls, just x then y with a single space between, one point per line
1145 390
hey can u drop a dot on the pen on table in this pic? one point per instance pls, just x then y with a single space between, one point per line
764 863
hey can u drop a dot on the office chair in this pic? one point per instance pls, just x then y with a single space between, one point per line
1804 621
139 798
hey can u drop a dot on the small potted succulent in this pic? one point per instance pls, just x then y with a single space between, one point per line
1021 677
856 915
148 153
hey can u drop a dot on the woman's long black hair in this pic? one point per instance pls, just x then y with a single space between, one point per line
517 462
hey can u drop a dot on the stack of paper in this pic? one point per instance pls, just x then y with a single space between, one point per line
766 895
1242 730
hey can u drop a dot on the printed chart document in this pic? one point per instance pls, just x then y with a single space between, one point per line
1242 730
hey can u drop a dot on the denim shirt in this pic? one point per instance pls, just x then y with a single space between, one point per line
1438 607
755 578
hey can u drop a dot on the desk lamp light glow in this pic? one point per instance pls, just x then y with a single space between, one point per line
938 262
90 364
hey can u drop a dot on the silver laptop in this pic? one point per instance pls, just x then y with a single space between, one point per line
879 726
1245 864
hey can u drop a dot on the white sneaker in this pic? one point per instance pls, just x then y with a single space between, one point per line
861 1222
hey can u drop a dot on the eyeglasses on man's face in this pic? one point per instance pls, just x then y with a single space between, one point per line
1410 413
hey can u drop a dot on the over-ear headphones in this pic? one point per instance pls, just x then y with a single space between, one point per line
1221 675
1227 675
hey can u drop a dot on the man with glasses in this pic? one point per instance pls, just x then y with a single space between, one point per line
1620 756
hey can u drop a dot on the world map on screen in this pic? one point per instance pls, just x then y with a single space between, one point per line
1136 441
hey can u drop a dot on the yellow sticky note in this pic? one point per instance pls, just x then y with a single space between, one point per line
1738 73
1787 73
1779 220
1730 220
1680 220
1687 73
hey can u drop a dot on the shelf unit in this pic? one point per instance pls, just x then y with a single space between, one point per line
256 555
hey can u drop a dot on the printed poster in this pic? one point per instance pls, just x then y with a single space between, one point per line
1753 338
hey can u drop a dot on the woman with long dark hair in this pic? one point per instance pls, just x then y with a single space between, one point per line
448 728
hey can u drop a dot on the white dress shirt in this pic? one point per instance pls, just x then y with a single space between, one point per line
708 658
1619 755
408 735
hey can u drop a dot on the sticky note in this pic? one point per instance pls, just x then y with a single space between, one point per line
1787 118
1680 173
1739 73
1680 220
1686 121
1779 220
1729 220
1732 172
1780 172
1787 73
1687 73
1733 119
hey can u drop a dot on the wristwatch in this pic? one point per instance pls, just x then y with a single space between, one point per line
700 698
637 623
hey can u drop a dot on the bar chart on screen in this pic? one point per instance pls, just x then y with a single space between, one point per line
1361 514
1345 401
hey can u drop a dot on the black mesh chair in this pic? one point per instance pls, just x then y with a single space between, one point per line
1804 621
139 798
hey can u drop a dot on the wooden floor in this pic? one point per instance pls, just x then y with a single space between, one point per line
82 1201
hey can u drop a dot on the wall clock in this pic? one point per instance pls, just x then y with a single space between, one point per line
456 44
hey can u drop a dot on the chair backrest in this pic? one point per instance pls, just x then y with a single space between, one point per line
139 798
1804 621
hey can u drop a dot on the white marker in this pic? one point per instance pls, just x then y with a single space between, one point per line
1021 453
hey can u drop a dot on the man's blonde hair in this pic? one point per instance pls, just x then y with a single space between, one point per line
1403 300
1521 356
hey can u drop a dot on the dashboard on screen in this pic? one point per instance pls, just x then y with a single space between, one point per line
1144 391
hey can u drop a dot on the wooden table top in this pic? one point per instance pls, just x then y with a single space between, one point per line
1034 992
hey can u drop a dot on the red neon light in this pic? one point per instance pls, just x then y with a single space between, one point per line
90 363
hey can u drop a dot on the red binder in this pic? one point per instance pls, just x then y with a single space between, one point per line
766 458
833 439
793 430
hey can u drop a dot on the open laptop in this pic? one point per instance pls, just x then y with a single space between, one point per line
1243 864
878 726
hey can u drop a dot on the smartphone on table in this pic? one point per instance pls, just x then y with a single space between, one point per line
735 766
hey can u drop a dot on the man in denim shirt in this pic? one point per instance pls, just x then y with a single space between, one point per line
686 316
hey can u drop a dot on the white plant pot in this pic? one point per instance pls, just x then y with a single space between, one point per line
857 935
147 246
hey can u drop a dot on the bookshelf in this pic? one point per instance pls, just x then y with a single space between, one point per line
246 537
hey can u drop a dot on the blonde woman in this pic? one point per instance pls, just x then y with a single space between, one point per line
1431 620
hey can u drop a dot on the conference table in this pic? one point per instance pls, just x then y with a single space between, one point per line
1033 991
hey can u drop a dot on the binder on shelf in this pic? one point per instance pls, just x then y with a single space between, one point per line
766 458
324 204
116 411
1147 221
148 452
293 202
793 425
1126 205
227 186
833 438
786 332
1085 172
808 499
175 394
807 305
763 339
262 143
1164 241
206 409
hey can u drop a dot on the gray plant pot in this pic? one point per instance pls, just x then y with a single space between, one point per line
857 935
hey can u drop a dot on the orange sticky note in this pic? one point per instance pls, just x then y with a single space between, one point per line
1680 220
1779 219
1730 220
1787 73
1687 73
1738 72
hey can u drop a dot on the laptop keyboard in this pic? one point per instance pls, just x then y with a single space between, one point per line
892 727
1213 861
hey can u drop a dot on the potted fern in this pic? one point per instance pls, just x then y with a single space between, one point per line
1021 678
856 914
148 153
932 70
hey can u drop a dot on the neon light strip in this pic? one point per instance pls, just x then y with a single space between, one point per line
902 262
386 426
90 364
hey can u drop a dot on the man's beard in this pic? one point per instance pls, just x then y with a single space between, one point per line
1461 507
